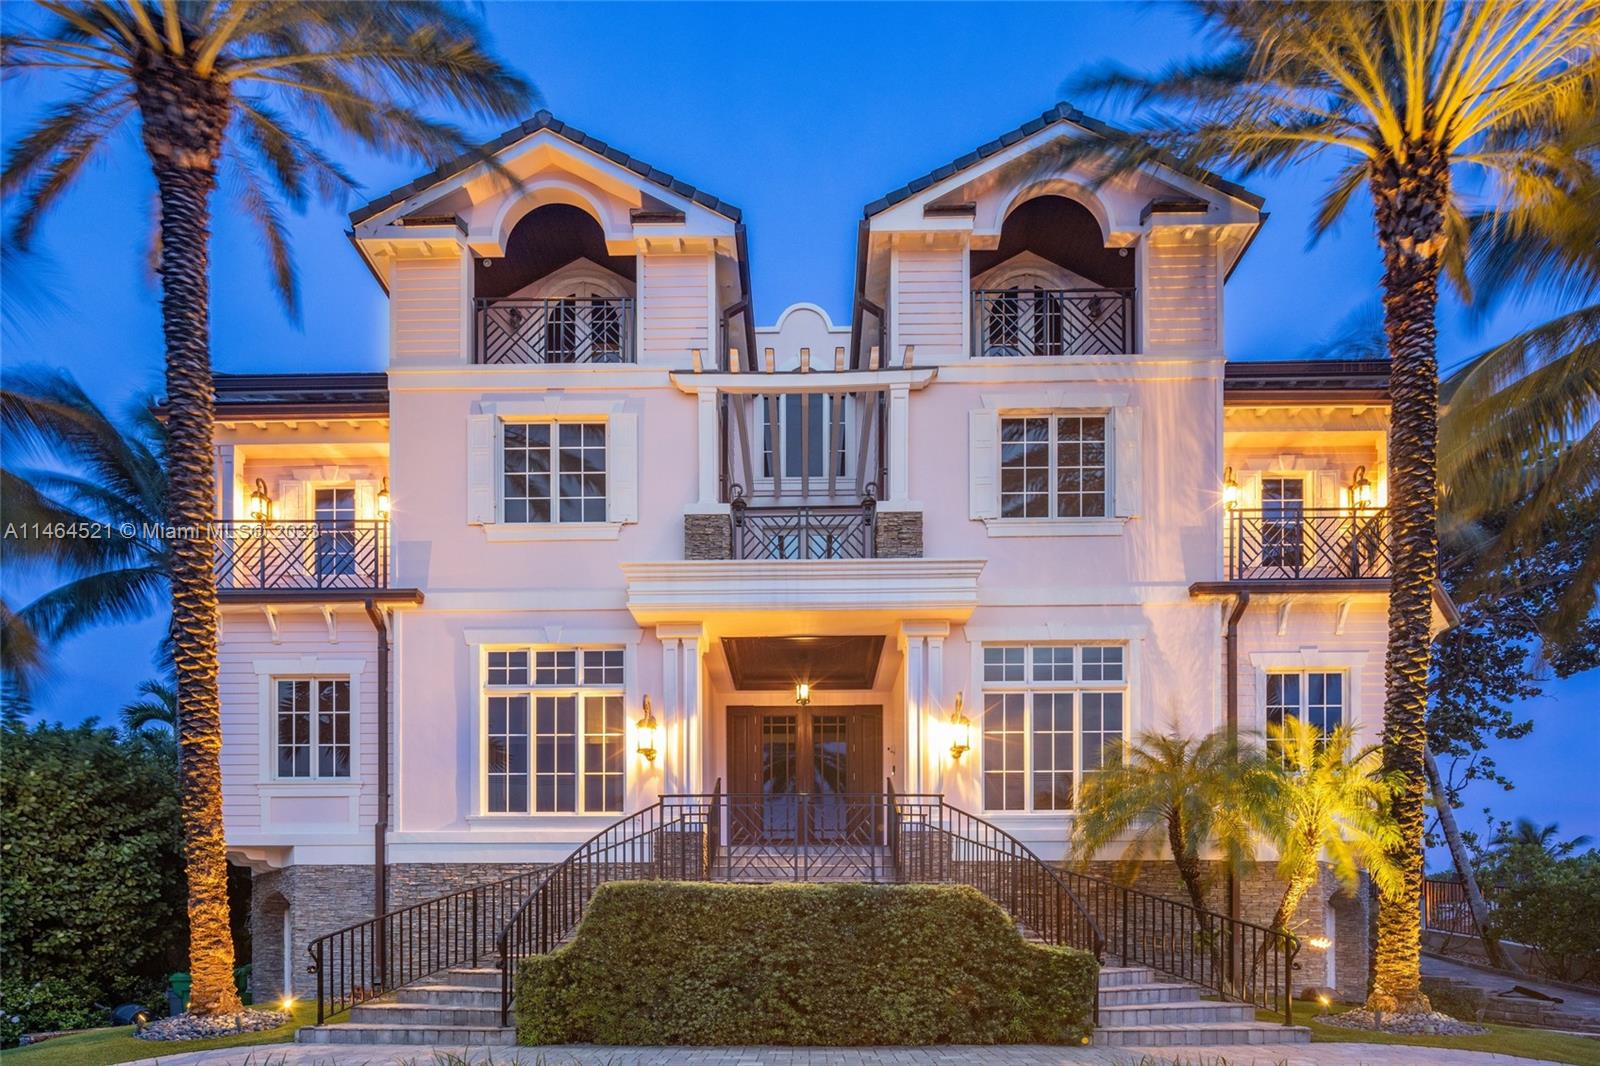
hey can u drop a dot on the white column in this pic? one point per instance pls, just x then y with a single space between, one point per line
710 459
899 443
682 718
224 472
923 646
671 729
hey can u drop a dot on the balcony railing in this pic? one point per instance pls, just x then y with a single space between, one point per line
802 532
1027 322
339 554
1291 543
585 329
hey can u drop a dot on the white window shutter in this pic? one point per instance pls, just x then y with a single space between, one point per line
1327 490
622 468
481 496
983 455
366 499
291 504
1125 436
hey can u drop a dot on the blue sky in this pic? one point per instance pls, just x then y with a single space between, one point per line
800 115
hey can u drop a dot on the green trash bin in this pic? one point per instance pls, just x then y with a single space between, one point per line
177 993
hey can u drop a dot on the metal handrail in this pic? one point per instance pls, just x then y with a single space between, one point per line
803 532
576 329
1302 543
1052 322
367 959
1445 908
311 554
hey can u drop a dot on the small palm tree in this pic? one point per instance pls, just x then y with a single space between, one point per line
214 85
1182 792
1329 804
1407 93
101 477
155 711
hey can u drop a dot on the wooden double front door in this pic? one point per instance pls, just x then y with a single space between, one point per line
803 774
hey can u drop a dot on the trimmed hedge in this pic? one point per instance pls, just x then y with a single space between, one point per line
663 963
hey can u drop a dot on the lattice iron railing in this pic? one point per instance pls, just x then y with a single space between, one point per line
1293 543
802 532
583 329
1029 322
1445 908
329 554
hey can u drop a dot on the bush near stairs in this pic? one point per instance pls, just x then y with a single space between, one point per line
659 963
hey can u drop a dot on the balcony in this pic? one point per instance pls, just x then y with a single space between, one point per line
587 329
339 555
803 532
1304 544
1052 322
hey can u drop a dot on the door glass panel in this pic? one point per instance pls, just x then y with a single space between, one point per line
1282 516
336 532
780 750
829 773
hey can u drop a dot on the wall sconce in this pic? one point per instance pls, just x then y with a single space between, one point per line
647 733
1319 943
1230 489
260 503
802 693
1360 489
384 500
960 732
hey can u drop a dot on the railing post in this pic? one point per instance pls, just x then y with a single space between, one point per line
1290 950
316 956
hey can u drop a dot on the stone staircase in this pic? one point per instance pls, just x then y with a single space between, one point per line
454 1008
1140 1008
1137 1009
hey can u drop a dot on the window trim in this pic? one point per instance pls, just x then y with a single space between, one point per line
1351 662
1052 417
485 485
1303 673
1128 640
481 643
555 423
309 667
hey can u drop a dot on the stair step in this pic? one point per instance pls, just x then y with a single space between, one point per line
449 995
1117 976
1180 1013
476 976
1200 1034
1154 992
355 1033
407 1015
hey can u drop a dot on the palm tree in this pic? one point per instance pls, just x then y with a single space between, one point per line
155 710
1406 93
1179 791
212 84
1330 805
101 477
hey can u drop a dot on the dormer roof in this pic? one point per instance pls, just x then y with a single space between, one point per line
543 120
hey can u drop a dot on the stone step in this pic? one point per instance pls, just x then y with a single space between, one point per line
1200 1034
457 1035
409 1015
1180 1013
1155 992
450 995
476 976
1117 976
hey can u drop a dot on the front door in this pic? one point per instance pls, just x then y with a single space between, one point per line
798 775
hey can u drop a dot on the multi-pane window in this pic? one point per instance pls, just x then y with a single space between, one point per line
1052 714
313 735
1283 503
553 472
556 732
336 531
806 434
1053 466
1316 697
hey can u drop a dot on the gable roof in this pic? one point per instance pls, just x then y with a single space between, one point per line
543 120
1062 112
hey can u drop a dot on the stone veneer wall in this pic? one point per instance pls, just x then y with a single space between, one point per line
1260 892
897 534
707 536
322 899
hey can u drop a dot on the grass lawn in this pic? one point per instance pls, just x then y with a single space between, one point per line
1501 1039
103 1047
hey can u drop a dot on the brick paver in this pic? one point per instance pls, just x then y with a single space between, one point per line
1297 1055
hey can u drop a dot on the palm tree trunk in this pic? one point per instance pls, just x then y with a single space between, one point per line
184 118
1469 880
1300 883
1409 197
1187 862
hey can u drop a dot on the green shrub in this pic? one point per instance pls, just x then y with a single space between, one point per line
658 963
1550 904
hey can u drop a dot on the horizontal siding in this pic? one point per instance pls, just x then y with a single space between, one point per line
425 311
1181 291
247 639
675 307
930 301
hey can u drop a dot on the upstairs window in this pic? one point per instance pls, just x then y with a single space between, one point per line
1052 715
553 472
313 727
806 427
1053 466
1316 697
555 732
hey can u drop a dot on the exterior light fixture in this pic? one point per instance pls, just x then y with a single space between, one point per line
260 502
383 500
1360 489
1319 943
1230 489
286 1004
802 693
647 733
960 732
